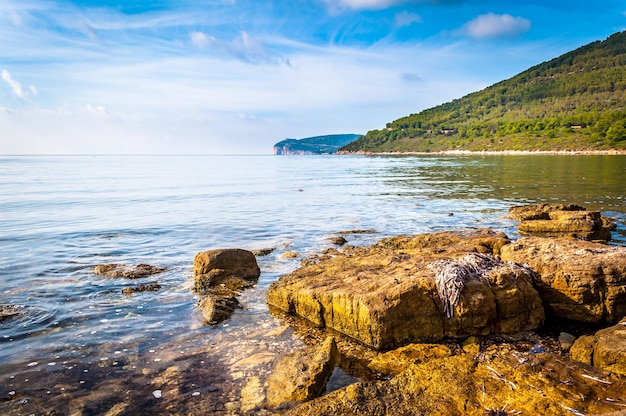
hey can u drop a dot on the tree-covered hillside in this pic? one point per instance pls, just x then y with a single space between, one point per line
574 102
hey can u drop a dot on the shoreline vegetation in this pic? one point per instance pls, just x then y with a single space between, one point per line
619 152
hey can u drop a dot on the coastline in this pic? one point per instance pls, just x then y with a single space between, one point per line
618 152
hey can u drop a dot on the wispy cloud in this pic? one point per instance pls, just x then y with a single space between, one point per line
492 25
244 47
405 18
17 87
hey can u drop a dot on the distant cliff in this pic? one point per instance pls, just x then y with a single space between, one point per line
318 145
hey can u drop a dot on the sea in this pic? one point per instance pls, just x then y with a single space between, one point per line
79 346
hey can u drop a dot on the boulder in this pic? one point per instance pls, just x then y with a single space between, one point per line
301 376
413 289
561 220
497 383
578 280
606 349
128 272
214 266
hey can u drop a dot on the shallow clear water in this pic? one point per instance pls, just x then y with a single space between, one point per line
82 346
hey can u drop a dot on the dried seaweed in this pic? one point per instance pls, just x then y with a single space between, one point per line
453 273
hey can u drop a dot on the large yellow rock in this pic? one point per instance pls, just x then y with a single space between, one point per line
606 349
579 280
386 295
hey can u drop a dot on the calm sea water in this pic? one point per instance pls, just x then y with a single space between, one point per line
82 347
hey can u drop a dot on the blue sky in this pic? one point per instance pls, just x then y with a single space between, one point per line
237 76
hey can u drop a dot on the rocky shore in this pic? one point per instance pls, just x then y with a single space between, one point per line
462 322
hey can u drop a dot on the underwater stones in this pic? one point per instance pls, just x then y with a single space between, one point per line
302 376
561 220
385 295
128 272
216 309
9 311
142 288
606 349
214 266
578 280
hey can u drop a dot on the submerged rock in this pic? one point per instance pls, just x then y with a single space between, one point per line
9 311
578 280
128 272
386 295
214 266
216 309
561 220
606 349
142 288
302 375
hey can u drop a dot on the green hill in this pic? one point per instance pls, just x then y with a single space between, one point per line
574 102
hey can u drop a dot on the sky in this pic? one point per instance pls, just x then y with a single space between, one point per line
237 76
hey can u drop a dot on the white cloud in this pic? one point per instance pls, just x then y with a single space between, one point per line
405 18
492 25
17 87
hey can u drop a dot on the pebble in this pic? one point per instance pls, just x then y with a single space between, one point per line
157 393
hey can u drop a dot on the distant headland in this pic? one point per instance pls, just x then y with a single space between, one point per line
318 145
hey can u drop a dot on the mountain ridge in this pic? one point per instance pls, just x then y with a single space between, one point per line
574 102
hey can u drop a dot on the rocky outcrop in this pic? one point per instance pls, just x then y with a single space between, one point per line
606 349
500 381
302 376
387 295
219 276
561 220
128 272
212 267
578 280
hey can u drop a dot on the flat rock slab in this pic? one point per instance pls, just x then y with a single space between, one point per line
560 220
386 295
578 280
128 272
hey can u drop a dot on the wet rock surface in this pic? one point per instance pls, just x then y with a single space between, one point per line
212 267
560 220
606 349
302 375
386 295
502 379
219 276
152 287
578 280
9 311
128 272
